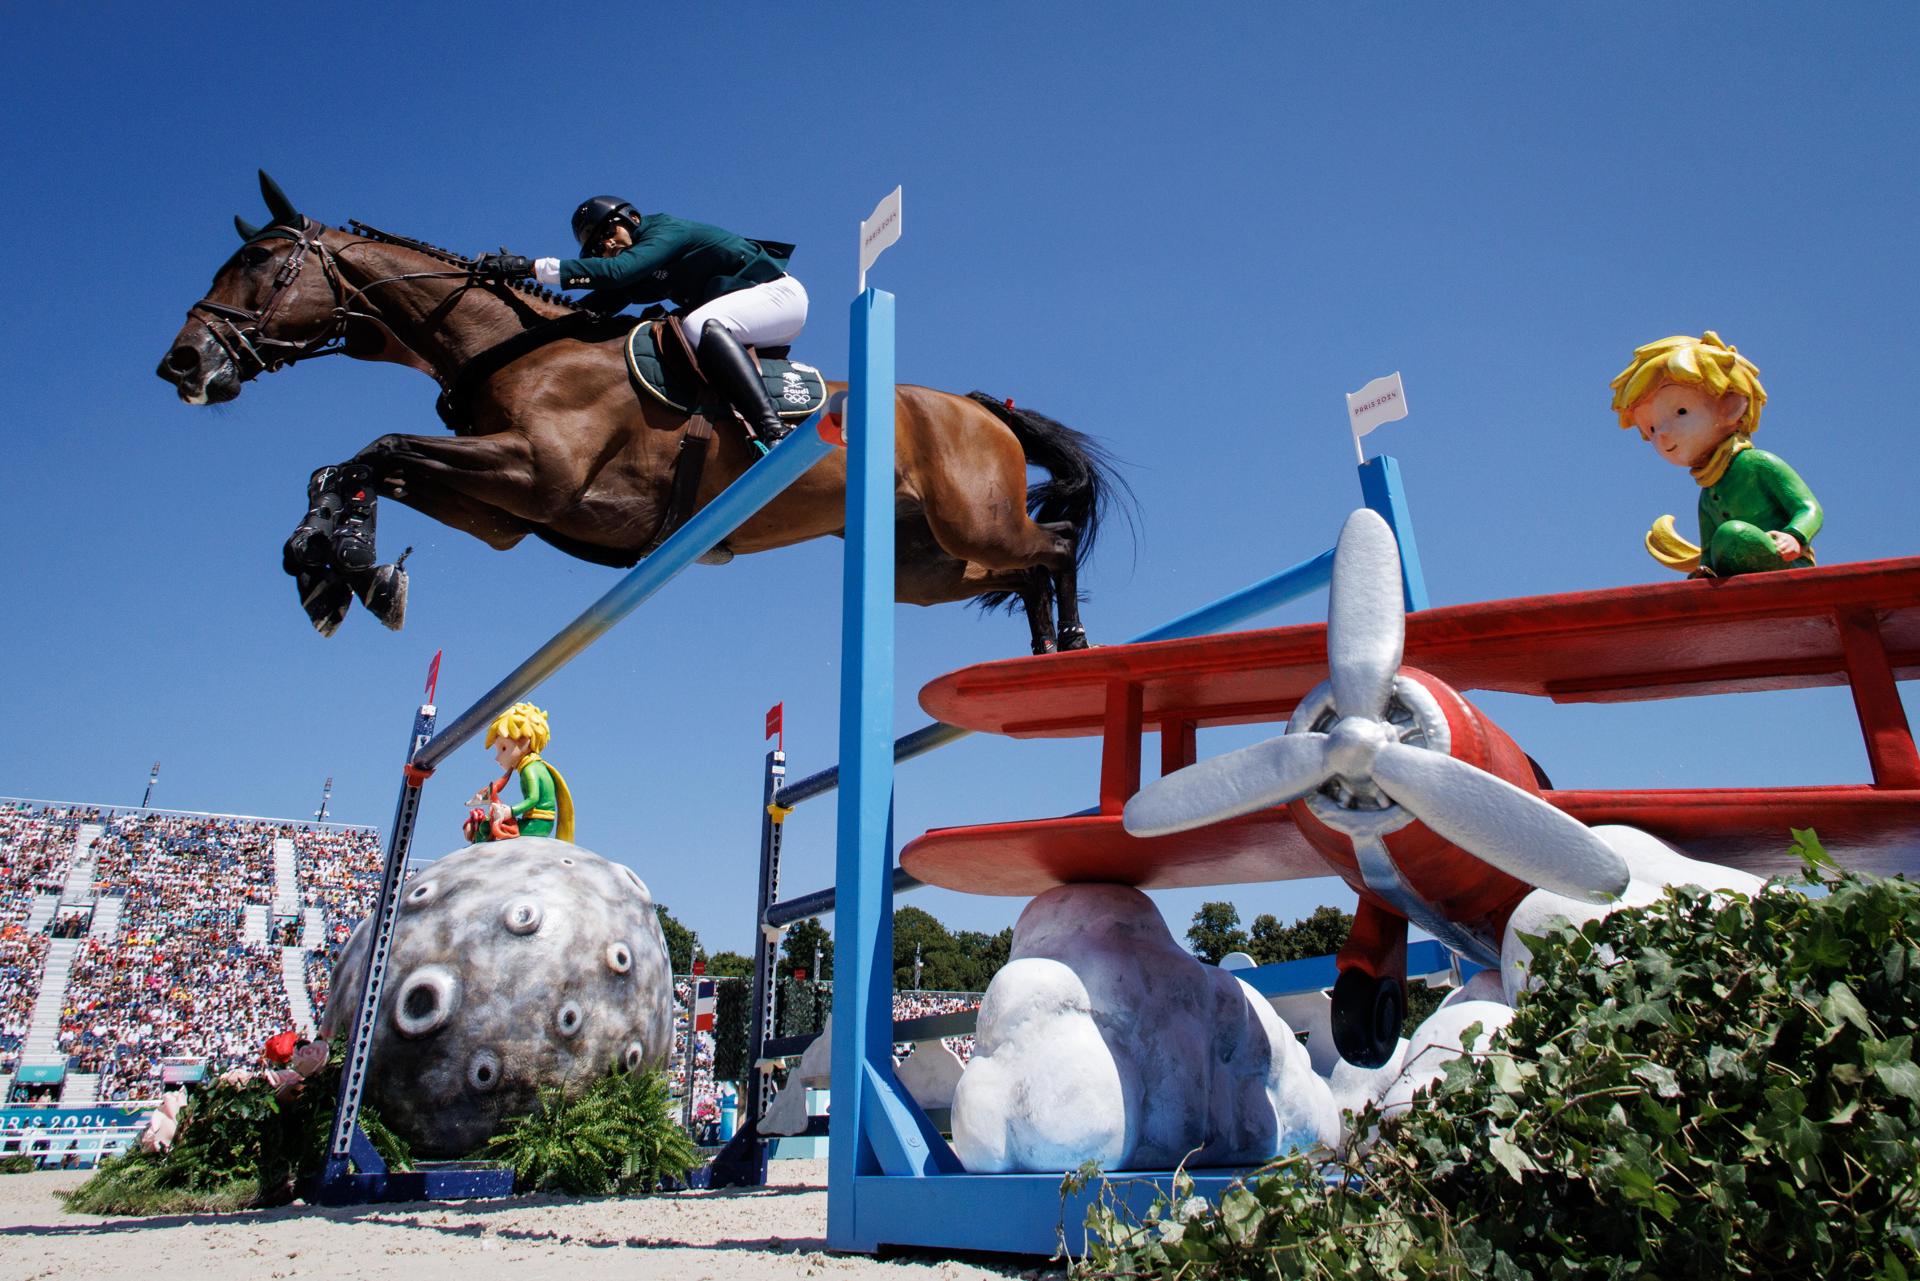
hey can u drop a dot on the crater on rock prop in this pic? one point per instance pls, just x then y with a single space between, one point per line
516 965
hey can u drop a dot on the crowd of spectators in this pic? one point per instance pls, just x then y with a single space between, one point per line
22 955
339 871
176 979
141 847
36 844
319 980
920 1005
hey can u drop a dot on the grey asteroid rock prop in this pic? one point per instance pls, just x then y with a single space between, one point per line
516 965
1104 1040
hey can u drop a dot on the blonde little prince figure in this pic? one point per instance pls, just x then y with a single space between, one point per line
517 736
1697 402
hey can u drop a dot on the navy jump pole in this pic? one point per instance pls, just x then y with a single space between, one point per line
790 459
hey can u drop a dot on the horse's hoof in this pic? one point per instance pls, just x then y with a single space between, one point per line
383 591
326 600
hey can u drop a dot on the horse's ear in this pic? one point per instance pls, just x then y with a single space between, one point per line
277 203
246 229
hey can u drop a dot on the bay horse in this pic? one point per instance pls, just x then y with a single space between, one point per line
550 438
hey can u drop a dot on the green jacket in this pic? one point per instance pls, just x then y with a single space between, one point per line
537 791
689 263
1760 489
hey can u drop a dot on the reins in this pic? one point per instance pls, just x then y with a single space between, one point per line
242 332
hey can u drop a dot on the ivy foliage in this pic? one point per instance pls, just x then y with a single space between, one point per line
618 1135
1711 1086
238 1147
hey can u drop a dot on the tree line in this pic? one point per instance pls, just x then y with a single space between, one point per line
930 956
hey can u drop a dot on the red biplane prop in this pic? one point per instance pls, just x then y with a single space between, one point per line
1391 780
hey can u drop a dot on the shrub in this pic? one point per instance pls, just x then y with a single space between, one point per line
238 1148
1710 1086
619 1135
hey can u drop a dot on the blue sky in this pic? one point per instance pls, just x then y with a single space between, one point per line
1186 232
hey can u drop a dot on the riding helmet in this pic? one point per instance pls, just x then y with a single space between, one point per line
591 213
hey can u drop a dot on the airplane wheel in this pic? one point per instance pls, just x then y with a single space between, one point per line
1366 1017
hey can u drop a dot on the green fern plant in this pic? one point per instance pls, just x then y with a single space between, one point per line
618 1135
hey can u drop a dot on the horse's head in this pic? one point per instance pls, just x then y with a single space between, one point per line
275 301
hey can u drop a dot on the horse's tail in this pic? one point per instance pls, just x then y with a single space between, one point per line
1082 482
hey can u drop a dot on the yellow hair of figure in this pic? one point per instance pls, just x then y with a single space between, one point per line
522 720
1700 362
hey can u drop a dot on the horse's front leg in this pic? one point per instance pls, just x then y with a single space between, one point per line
331 553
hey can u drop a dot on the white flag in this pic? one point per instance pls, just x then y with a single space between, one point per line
1381 401
881 229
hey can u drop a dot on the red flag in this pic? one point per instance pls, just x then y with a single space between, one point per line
774 725
699 967
433 674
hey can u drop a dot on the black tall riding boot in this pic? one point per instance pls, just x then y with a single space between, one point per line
728 367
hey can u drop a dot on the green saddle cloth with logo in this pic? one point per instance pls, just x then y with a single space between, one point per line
658 365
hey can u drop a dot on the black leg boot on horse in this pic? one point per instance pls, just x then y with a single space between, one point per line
733 374
308 556
331 555
381 588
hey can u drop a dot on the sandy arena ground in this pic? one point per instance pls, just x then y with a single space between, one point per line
773 1232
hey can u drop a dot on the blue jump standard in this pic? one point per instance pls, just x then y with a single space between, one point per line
1006 1213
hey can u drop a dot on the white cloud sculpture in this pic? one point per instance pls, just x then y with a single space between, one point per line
1104 1040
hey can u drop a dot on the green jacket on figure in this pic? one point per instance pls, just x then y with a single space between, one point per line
1758 492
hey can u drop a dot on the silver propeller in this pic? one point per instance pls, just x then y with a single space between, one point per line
1270 773
1493 820
1386 781
1366 617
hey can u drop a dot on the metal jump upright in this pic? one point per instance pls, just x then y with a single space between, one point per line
354 1173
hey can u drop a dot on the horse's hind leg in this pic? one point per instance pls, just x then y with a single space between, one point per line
1036 595
1066 592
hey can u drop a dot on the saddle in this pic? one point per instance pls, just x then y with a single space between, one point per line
661 363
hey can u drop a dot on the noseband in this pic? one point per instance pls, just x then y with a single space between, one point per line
242 333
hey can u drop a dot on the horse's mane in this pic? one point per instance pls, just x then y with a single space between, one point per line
453 259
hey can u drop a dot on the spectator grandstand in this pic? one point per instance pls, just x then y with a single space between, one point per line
197 935
196 941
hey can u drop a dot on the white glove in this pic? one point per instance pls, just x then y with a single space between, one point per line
547 272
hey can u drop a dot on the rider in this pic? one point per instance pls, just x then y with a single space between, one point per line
732 292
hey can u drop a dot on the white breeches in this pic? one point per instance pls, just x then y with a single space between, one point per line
766 315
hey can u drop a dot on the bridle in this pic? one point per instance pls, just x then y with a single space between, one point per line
242 332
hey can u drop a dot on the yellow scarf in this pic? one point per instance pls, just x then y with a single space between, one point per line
562 798
1709 473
